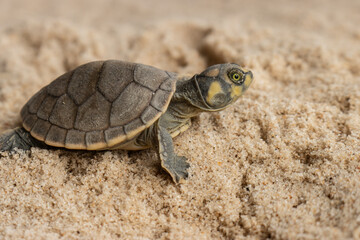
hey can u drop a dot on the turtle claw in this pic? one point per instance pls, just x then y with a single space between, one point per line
179 169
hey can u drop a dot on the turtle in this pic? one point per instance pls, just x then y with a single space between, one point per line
113 104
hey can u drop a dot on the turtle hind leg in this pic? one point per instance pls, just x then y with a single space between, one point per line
175 165
18 138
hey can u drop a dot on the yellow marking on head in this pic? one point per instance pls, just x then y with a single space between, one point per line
215 88
236 91
248 80
213 72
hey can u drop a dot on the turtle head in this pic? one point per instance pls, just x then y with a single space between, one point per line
220 85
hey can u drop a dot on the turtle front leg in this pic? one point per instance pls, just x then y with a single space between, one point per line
175 165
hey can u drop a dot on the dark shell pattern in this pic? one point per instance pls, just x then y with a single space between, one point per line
98 105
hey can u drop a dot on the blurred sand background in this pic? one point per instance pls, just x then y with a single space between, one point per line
281 163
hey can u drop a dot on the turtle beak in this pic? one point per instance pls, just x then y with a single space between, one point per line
249 77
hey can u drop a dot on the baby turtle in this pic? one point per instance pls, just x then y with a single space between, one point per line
121 105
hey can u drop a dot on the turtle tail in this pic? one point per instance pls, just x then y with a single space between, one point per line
18 138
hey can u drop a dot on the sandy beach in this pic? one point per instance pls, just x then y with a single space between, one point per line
283 162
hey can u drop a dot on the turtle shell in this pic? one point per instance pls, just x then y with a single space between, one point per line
98 105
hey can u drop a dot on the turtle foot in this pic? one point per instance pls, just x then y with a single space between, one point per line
177 168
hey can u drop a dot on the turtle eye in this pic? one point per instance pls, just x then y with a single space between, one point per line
236 76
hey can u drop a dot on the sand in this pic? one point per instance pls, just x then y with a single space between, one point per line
281 163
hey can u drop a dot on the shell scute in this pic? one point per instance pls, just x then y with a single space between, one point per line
93 114
64 112
149 77
130 104
35 102
56 136
83 82
114 78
